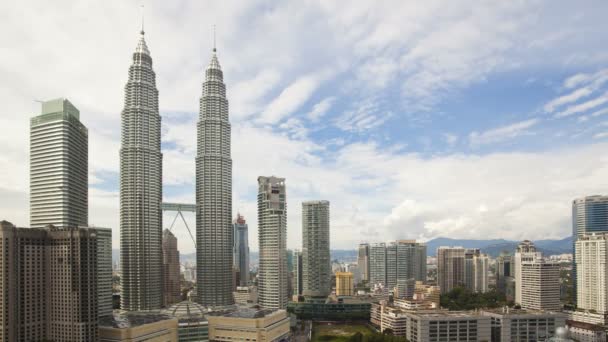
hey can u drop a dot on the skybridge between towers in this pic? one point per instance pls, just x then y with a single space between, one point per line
178 208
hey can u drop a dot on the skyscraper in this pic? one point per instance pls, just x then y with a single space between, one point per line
316 261
592 274
49 284
58 167
104 271
540 287
299 283
377 264
589 215
450 268
363 260
141 187
504 270
405 263
171 270
241 250
469 267
272 236
214 231
525 252
481 267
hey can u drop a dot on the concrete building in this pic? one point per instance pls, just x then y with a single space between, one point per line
592 274
249 324
104 271
214 230
272 236
469 267
540 285
138 327
512 325
585 332
246 295
240 250
504 270
316 261
141 187
345 284
377 264
58 167
171 270
589 215
450 268
363 260
431 325
481 271
192 326
49 284
525 252
298 264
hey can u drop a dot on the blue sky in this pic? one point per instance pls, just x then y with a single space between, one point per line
416 120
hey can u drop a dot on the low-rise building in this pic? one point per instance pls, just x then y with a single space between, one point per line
431 325
192 326
523 325
345 284
138 326
249 324
333 308
586 332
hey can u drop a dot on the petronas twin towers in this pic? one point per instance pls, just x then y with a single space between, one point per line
141 190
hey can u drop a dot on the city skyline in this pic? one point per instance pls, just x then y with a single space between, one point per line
322 156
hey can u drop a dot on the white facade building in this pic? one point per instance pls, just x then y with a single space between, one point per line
592 273
272 236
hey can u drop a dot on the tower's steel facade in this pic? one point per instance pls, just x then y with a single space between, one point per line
214 231
141 187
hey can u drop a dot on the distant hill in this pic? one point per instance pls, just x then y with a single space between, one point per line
492 247
495 246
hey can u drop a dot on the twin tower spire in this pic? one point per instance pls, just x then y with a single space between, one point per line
141 189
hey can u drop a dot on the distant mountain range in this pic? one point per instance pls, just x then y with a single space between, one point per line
492 247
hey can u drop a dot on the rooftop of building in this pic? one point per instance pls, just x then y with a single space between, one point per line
513 312
245 312
186 309
125 320
583 325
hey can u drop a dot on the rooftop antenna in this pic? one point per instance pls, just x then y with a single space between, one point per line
142 19
214 49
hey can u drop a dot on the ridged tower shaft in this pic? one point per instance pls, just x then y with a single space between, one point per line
214 232
141 188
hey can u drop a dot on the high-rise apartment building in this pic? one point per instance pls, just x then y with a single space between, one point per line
345 284
377 264
298 265
592 274
141 187
240 250
540 286
469 267
58 167
104 271
450 268
214 230
504 270
272 236
525 252
49 284
316 261
481 269
363 260
589 215
171 270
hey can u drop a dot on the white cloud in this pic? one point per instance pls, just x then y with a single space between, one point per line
600 135
582 107
363 115
600 112
450 139
320 109
565 99
290 99
501 133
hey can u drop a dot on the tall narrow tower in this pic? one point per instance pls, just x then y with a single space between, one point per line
272 236
214 231
141 187
316 260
